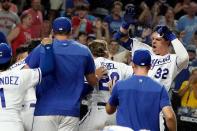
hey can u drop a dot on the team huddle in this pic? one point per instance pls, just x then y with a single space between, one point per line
133 97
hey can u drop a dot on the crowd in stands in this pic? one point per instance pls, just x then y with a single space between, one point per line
22 21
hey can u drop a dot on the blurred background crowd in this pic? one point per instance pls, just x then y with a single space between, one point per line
25 22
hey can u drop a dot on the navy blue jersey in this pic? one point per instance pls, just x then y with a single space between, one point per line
140 100
59 93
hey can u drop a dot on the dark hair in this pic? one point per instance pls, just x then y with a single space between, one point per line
21 50
32 44
82 7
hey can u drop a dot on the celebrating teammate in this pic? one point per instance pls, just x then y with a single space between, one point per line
165 66
139 99
15 83
97 118
58 96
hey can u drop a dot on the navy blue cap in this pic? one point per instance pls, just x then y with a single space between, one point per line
5 53
142 58
62 24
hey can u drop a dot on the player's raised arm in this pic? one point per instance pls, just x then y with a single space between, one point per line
122 36
47 60
181 52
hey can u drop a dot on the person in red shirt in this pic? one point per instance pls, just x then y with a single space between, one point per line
21 33
37 18
80 23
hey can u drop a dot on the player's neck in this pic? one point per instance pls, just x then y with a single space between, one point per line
142 71
61 37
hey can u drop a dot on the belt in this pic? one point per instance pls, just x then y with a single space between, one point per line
101 104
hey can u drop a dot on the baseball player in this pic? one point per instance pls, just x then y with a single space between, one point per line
165 66
97 117
29 100
15 83
58 95
139 99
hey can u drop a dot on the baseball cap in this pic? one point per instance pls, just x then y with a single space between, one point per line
62 24
142 58
5 53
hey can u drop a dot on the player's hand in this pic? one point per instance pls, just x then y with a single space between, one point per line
111 83
100 72
129 14
165 32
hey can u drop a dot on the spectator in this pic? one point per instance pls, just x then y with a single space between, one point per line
115 19
194 39
80 22
12 8
37 18
8 19
21 33
168 19
82 38
188 22
180 8
60 97
129 96
102 30
55 6
188 94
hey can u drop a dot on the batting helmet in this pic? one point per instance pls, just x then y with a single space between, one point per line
98 48
5 53
62 24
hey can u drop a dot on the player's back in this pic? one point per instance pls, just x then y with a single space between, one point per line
60 92
116 70
13 85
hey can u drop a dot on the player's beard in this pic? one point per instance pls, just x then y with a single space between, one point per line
6 7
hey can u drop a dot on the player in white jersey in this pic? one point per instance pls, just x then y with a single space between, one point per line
165 66
13 87
29 101
97 117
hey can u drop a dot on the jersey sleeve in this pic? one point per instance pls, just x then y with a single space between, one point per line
182 57
33 59
30 77
113 100
165 101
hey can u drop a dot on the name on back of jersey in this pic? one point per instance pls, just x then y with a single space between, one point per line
9 80
162 61
108 66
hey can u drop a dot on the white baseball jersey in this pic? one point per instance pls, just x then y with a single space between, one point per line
164 68
27 112
115 69
30 95
13 85
97 118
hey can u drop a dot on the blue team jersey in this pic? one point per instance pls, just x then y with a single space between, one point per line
59 93
140 100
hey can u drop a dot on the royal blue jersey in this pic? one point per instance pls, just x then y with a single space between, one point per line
59 93
139 101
